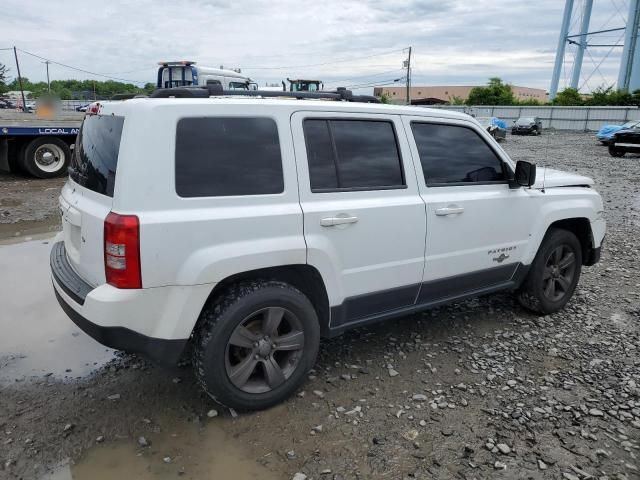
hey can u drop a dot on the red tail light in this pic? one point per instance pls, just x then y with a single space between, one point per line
122 251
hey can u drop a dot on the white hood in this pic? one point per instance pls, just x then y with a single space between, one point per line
549 178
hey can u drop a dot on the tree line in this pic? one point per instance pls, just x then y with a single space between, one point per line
71 89
498 93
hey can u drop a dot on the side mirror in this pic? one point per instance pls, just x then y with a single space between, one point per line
525 175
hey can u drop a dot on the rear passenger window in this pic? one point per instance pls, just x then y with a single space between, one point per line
222 156
352 155
451 154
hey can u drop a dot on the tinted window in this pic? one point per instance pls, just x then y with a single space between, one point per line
452 154
322 166
221 156
95 156
352 154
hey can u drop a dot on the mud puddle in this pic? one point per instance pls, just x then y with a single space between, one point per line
187 451
37 338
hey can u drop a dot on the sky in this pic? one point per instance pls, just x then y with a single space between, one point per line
344 43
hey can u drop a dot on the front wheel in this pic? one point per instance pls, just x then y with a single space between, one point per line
616 152
45 157
255 344
554 273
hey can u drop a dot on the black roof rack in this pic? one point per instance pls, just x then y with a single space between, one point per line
340 94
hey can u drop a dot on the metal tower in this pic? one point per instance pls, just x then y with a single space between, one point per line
629 77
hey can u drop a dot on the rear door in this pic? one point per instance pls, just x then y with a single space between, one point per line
87 197
364 220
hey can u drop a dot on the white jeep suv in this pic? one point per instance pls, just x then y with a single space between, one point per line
249 228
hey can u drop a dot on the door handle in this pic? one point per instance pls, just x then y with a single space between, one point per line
450 210
332 221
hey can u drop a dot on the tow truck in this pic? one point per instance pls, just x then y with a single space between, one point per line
36 145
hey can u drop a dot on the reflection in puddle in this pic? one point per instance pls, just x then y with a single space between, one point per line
37 337
186 450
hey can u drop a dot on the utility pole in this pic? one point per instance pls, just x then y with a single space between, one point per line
409 78
24 102
47 62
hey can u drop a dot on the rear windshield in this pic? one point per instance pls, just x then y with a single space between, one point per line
95 157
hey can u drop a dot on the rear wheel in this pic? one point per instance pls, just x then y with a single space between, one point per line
45 157
554 273
255 344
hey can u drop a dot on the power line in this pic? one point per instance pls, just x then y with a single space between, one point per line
340 80
379 83
80 69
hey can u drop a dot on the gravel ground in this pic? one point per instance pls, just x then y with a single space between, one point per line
28 205
480 389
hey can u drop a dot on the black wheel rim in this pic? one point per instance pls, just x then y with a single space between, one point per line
264 350
559 272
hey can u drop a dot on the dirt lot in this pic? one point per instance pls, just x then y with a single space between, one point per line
481 389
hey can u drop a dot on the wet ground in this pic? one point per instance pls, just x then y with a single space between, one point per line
483 390
29 346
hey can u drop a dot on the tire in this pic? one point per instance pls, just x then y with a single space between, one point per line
616 152
232 334
535 293
46 157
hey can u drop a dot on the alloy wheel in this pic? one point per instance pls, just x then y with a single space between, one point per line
559 273
264 350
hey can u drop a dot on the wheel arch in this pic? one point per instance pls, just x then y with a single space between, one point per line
581 228
305 278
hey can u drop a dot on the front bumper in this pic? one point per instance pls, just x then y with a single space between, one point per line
79 301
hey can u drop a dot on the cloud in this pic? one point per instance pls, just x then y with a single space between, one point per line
457 41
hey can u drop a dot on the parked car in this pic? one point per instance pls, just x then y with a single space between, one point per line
5 104
496 127
606 133
527 126
625 141
82 108
248 229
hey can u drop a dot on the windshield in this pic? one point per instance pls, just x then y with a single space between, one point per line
238 86
525 120
176 77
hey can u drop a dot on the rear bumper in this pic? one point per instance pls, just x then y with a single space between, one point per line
155 322
163 352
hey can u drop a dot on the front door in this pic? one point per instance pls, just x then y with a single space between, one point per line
477 227
364 219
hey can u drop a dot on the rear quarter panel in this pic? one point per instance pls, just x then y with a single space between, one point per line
189 241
